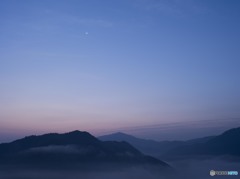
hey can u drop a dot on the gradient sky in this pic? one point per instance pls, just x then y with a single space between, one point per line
162 69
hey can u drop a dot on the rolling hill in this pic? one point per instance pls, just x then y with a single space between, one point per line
73 149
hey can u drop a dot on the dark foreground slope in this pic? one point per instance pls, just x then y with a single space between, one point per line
74 151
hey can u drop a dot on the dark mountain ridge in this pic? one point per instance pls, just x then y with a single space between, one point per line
73 149
75 137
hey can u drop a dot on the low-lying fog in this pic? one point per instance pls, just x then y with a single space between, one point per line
44 174
184 169
200 169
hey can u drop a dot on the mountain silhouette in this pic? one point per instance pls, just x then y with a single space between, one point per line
228 143
151 147
73 149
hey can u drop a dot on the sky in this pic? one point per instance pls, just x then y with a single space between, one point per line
159 69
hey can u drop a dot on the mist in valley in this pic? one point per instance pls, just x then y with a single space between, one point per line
182 169
130 173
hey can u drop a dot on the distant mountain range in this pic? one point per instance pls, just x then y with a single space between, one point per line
73 149
227 143
151 147
80 151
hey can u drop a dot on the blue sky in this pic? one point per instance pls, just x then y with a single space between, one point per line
105 66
